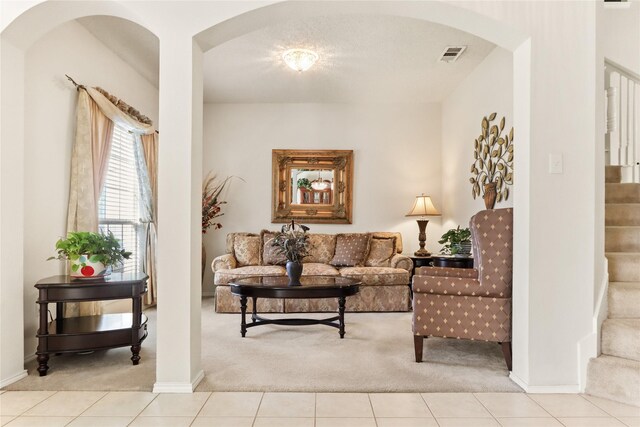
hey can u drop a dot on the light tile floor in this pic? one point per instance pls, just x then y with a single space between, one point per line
115 409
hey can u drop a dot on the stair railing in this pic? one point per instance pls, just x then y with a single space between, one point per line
622 138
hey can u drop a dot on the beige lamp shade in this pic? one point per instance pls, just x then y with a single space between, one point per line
423 206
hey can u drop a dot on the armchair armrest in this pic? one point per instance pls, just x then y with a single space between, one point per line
402 261
224 262
461 286
471 273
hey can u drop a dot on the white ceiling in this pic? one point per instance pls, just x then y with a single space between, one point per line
363 58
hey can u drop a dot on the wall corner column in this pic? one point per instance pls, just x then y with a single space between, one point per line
178 365
11 214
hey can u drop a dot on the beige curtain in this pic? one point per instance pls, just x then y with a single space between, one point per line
149 144
88 169
95 117
88 164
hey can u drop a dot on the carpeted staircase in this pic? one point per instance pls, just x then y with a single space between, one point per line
615 374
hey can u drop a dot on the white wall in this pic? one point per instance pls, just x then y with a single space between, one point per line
50 101
11 212
488 89
396 157
560 207
555 211
620 35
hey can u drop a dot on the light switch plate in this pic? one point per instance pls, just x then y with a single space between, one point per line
555 163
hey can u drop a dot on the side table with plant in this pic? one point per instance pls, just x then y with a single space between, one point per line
90 254
456 241
293 242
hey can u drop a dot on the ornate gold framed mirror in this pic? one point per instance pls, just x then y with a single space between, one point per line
312 186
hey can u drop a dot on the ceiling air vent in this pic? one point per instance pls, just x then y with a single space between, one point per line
451 53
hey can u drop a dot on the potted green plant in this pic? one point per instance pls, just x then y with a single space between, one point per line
293 242
304 183
90 254
456 241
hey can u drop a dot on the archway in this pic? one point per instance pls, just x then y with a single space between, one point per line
182 73
40 153
508 38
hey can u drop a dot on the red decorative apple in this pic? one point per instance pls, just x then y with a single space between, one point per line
87 270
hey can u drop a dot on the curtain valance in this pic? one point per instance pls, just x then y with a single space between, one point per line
118 116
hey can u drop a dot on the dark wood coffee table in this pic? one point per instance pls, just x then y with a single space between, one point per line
278 287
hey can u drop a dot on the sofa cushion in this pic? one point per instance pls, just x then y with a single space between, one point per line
318 269
381 251
351 249
232 236
271 255
246 249
377 275
321 248
223 277
388 235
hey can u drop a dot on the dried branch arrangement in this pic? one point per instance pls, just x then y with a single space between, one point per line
493 159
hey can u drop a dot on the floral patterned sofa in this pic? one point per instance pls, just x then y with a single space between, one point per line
382 269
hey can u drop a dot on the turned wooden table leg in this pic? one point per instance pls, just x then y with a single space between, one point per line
243 320
135 353
42 364
341 304
42 355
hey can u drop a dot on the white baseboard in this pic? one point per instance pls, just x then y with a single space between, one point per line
174 387
544 389
29 358
12 379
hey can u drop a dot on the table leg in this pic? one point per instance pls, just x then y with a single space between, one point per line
42 364
243 320
341 303
135 353
254 315
43 357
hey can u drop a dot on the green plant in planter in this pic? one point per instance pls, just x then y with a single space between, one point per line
304 183
456 241
97 247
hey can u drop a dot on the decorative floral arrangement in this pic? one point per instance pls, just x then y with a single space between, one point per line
212 189
493 162
292 241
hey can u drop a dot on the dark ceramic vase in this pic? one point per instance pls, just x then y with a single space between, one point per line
294 271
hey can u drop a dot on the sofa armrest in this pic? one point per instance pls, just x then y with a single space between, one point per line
224 262
470 273
402 261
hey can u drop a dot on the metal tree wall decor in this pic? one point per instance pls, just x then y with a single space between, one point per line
492 169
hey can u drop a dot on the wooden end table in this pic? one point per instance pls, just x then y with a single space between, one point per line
277 287
88 333
452 261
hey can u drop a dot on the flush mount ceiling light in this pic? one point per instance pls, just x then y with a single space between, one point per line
300 59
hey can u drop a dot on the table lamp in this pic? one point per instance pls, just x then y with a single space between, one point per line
423 207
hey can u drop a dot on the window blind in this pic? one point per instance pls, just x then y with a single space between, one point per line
119 209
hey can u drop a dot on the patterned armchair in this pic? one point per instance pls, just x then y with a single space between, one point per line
474 303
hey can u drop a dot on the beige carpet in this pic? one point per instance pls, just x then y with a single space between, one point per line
375 355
